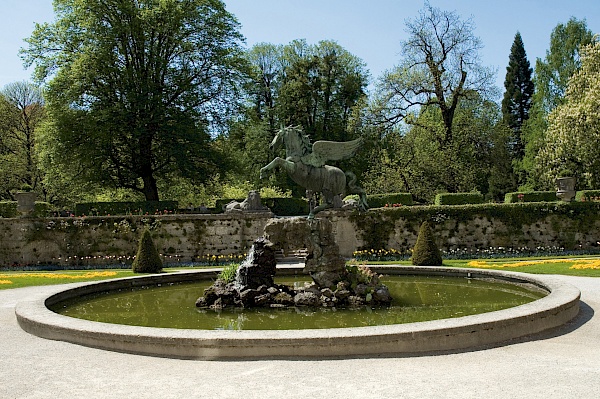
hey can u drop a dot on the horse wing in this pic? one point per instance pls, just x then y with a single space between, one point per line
323 151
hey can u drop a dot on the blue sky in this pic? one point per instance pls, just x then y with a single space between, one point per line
369 29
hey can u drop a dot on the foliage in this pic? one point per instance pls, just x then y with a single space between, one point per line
147 259
587 195
8 209
136 89
531 196
279 206
227 275
440 68
574 127
16 279
426 252
458 198
390 199
126 208
518 96
21 113
551 78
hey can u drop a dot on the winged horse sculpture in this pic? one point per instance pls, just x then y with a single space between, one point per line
305 164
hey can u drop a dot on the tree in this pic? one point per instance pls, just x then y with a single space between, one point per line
21 113
440 68
570 147
136 88
147 259
551 77
517 97
426 252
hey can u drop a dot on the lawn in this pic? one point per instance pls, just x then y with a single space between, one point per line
576 266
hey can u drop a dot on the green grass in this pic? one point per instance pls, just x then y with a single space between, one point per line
545 265
18 279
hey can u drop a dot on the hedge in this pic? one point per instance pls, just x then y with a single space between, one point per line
8 209
532 196
587 195
381 200
279 206
125 208
458 198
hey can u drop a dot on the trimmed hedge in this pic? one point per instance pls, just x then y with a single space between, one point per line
125 208
147 259
458 198
8 209
426 252
587 195
381 200
532 196
279 206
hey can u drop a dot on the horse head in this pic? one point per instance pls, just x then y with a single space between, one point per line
296 143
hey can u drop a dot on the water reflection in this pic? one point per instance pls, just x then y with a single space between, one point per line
416 298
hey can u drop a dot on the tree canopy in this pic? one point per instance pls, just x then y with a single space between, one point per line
440 66
136 88
570 147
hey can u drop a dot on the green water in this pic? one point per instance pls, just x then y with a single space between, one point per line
416 298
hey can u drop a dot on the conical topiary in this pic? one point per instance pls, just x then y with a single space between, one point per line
147 259
426 252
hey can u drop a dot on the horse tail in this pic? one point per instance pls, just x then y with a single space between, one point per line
355 189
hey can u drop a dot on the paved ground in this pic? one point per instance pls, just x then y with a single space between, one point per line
561 364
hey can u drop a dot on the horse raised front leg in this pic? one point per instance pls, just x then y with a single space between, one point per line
266 169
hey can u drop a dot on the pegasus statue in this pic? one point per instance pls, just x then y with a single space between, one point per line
306 165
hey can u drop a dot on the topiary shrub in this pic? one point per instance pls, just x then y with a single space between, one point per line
587 195
458 198
147 259
531 196
426 252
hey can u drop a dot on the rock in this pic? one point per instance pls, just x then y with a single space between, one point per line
361 290
201 302
342 294
327 293
272 290
261 267
262 300
382 295
283 298
306 298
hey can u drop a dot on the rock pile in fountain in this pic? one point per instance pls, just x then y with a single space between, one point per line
334 284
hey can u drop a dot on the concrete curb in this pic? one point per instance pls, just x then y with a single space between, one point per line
557 308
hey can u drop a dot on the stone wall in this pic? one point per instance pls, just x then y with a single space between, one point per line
188 238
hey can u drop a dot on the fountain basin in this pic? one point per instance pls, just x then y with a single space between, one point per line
557 308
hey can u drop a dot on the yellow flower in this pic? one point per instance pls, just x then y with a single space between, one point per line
5 282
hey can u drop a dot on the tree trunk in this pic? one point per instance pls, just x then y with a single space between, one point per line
150 189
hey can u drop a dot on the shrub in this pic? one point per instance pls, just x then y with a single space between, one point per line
587 195
228 273
381 200
458 198
426 252
8 209
279 205
147 259
125 208
532 196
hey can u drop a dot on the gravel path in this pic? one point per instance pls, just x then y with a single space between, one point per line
564 363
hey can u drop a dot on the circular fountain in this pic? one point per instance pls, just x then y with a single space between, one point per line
558 307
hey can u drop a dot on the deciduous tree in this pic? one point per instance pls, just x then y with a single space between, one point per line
136 88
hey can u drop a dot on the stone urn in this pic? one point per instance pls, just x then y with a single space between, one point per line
25 203
565 188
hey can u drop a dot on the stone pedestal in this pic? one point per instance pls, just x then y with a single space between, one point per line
566 188
25 203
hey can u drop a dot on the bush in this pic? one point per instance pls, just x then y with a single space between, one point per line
381 200
125 208
458 198
147 259
8 209
426 252
587 195
532 196
279 206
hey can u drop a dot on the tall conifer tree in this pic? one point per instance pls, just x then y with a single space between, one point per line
518 95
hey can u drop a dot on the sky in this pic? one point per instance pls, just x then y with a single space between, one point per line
370 29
